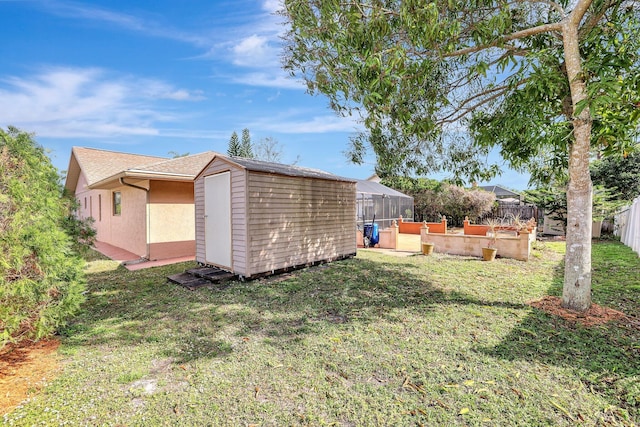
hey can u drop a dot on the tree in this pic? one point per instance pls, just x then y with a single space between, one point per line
176 155
270 150
419 73
432 199
246 149
621 175
41 280
234 145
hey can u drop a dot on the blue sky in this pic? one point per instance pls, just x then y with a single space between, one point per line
154 77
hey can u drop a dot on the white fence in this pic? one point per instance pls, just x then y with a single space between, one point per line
627 226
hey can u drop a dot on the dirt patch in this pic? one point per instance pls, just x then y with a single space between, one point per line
25 369
596 315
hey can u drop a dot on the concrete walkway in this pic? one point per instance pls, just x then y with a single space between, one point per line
131 261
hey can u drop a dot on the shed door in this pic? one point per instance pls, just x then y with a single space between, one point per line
217 219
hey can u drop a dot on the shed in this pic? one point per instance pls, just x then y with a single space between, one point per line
255 217
385 203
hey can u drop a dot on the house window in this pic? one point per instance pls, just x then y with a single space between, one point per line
85 203
117 203
99 207
91 206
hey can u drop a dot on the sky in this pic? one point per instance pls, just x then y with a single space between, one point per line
163 77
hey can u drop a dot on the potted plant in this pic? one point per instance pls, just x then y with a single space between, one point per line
489 251
516 223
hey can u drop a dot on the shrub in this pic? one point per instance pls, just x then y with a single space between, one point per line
42 281
81 231
432 199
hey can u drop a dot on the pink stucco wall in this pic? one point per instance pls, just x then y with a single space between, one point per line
127 230
160 227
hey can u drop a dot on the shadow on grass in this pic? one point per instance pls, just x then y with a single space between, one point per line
129 308
606 358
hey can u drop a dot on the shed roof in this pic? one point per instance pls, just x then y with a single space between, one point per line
282 169
372 187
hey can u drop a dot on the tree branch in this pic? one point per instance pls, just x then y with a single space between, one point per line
461 111
546 28
578 12
593 20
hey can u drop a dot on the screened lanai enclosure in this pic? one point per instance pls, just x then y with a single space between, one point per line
385 204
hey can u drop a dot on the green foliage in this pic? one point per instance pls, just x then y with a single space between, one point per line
234 145
175 154
246 149
553 201
432 199
533 125
410 69
42 280
241 148
621 175
81 231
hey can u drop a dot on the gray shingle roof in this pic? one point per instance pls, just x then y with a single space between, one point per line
287 170
499 191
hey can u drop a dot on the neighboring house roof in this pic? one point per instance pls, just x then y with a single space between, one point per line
103 168
499 191
371 187
374 178
281 169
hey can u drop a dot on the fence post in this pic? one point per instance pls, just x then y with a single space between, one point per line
424 230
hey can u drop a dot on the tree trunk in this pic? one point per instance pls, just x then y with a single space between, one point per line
576 292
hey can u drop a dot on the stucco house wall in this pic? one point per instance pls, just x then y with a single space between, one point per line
171 217
157 218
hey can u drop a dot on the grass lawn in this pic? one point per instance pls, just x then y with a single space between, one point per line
371 341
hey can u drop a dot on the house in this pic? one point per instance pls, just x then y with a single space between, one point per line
142 204
255 217
503 195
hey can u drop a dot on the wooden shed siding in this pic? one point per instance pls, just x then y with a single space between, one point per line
294 221
238 216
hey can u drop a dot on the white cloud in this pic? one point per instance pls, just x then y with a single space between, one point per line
250 40
274 97
271 6
123 20
254 51
87 102
276 79
159 90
